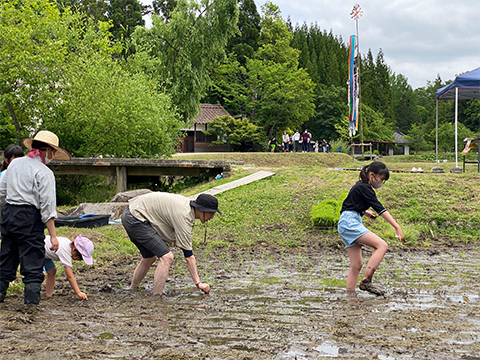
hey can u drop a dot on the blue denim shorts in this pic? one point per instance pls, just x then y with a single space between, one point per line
48 265
350 227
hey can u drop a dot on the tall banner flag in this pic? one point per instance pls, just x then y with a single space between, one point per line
353 87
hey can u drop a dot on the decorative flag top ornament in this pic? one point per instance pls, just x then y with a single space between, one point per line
357 12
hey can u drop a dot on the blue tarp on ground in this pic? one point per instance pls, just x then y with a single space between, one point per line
468 87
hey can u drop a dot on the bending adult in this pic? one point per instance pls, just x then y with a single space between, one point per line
155 218
27 191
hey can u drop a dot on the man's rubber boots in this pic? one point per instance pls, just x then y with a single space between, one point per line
3 291
32 293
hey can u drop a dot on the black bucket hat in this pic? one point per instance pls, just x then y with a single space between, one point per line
206 202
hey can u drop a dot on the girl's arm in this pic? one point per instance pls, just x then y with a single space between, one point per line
386 215
73 283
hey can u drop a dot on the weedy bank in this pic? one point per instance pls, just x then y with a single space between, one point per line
433 209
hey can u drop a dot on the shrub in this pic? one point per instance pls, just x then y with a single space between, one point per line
334 144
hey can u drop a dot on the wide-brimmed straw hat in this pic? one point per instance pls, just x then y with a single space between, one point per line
206 202
51 139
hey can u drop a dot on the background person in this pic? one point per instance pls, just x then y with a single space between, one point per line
286 139
305 141
79 249
350 226
11 152
28 196
296 139
272 144
154 218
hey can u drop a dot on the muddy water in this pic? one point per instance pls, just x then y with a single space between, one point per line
264 304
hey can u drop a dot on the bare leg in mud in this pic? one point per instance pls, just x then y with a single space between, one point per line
356 263
380 246
141 270
161 273
355 256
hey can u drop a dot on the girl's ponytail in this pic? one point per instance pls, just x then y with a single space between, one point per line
364 174
376 167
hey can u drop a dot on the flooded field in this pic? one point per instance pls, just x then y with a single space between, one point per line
264 304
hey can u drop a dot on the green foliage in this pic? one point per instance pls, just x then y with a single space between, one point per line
244 44
101 98
231 88
237 132
75 189
32 49
417 137
330 108
125 16
403 103
283 92
374 126
97 10
164 8
446 136
345 147
186 47
7 130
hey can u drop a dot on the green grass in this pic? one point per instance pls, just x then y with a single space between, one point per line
276 210
432 209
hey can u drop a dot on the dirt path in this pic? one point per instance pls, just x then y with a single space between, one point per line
264 304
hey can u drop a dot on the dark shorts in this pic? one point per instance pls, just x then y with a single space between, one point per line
48 265
144 236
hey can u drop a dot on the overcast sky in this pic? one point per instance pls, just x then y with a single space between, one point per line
419 38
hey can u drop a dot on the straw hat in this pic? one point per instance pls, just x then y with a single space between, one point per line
51 139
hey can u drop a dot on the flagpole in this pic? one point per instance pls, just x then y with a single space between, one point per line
359 92
356 13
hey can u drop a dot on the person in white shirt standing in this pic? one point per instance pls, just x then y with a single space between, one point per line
28 196
285 139
296 139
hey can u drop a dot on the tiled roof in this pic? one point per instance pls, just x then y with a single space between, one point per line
399 137
208 112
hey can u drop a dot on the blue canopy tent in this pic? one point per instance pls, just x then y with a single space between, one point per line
464 87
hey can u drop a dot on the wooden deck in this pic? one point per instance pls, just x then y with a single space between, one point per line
135 170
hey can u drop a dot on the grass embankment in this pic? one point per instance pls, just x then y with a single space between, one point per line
432 209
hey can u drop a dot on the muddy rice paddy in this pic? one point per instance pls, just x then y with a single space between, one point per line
264 304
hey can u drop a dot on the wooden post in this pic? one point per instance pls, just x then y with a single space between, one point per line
121 179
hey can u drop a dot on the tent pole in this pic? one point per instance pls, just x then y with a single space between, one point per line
456 121
436 130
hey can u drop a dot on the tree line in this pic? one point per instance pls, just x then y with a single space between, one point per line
107 85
